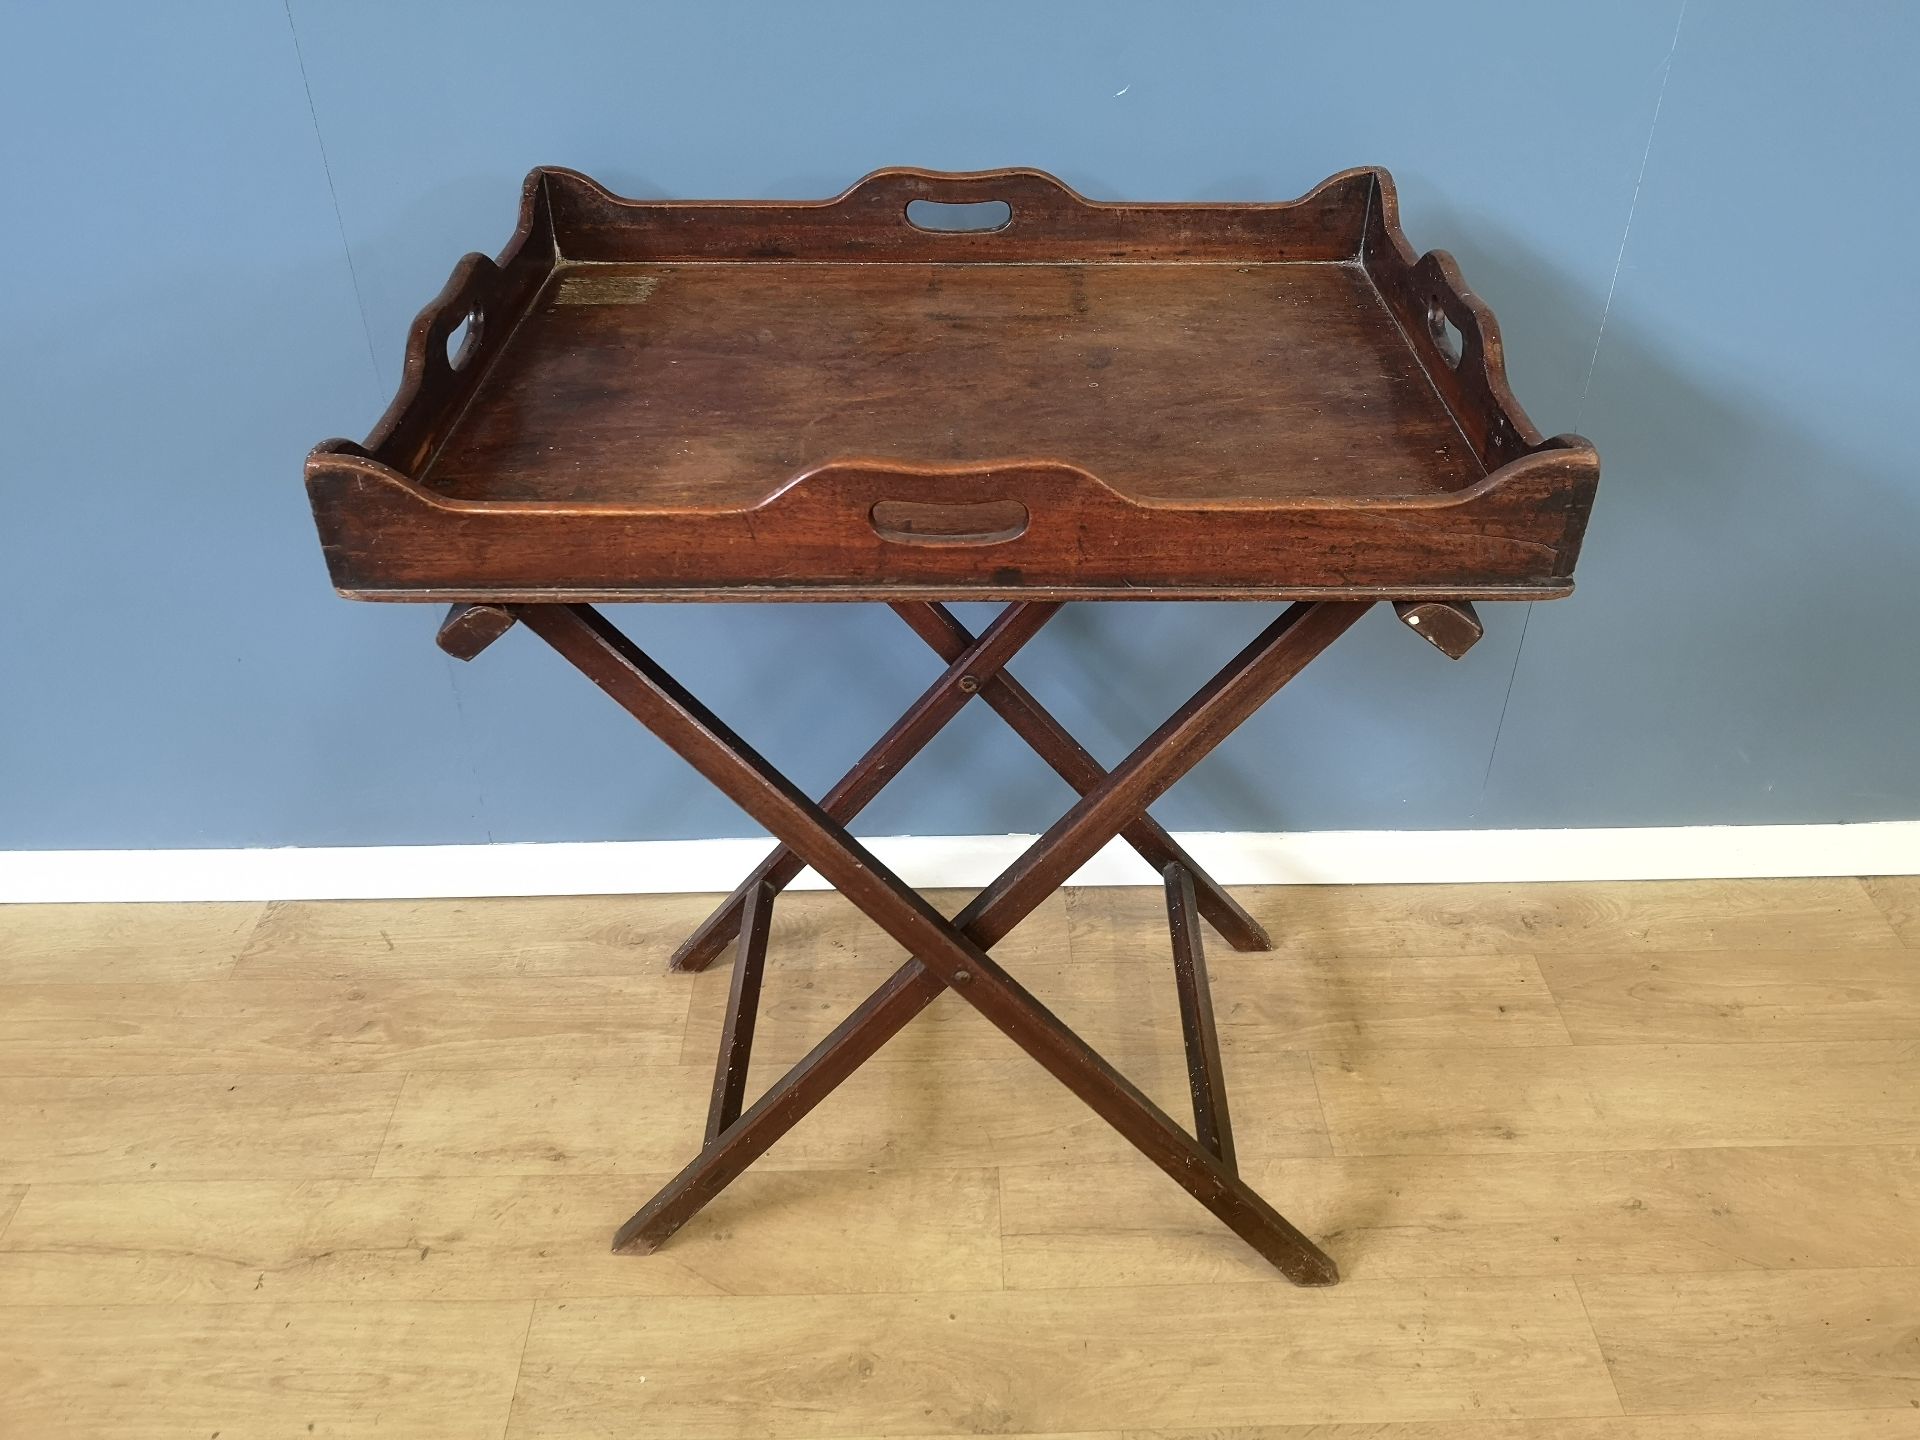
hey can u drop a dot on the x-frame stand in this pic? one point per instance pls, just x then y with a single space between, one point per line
954 953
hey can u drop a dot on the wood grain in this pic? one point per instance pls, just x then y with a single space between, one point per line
283 1025
192 1126
912 362
941 1113
1347 922
435 939
1891 1424
1116 1008
1828 1339
1723 1151
632 1120
1622 916
1312 1002
42 944
1686 995
817 934
581 935
1303 999
718 399
368 1241
1423 1216
1898 898
1015 1361
135 1372
1621 1097
1051 221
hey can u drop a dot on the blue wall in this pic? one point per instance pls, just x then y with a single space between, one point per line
1694 226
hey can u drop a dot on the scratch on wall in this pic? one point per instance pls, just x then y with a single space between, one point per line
1620 257
1606 309
333 194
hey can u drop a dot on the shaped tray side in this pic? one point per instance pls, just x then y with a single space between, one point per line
869 221
827 534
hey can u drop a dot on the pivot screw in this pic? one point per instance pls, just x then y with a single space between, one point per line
961 977
968 684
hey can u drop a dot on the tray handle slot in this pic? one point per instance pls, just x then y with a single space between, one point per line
1009 507
463 339
953 217
923 199
1445 334
456 322
936 522
1453 334
460 333
445 351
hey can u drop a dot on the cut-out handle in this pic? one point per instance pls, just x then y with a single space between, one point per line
450 332
933 522
463 339
965 217
980 203
1446 335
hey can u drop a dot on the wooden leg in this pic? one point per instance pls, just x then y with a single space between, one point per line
954 953
743 1008
850 1044
1205 1079
976 663
1241 687
1049 739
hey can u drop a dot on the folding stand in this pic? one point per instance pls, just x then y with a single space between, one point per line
805 401
954 953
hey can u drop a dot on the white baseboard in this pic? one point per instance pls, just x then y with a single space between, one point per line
1335 857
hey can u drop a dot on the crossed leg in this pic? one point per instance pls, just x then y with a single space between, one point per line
954 953
975 665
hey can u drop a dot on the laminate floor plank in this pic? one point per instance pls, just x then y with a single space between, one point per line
943 1114
1598 1162
187 1372
122 944
281 1241
1805 1340
1621 1097
1736 996
439 940
1012 1362
193 1127
627 935
1898 898
1622 917
1423 1216
283 1025
1890 1424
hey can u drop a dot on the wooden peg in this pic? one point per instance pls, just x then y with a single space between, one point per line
1451 626
469 629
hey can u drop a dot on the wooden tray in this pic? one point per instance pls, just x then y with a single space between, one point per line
817 400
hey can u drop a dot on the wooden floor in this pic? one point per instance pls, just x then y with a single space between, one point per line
1606 1162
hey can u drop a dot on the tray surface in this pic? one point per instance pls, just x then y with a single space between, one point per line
715 384
824 400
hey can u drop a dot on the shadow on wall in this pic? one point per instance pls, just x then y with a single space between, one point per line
1735 645
1728 527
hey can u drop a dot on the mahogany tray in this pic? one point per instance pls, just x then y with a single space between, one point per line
823 400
